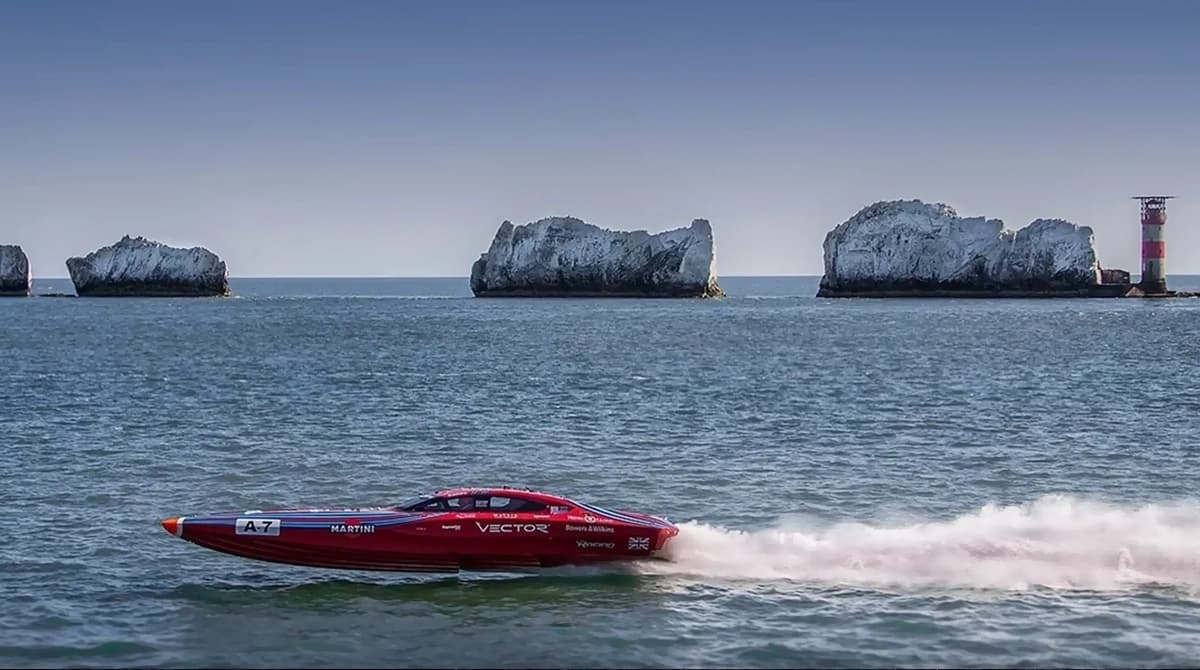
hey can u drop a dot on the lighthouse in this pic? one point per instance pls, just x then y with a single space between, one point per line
1154 246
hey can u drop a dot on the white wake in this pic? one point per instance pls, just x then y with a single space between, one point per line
1056 542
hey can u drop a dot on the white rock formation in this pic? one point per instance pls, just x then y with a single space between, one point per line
15 277
563 256
135 266
910 246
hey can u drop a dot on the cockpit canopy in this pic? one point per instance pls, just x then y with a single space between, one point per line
478 502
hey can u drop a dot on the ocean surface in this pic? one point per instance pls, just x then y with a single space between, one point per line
860 483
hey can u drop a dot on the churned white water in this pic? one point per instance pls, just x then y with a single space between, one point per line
1056 541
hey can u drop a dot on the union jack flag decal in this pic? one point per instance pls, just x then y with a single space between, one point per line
639 543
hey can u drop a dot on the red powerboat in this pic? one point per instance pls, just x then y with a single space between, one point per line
447 531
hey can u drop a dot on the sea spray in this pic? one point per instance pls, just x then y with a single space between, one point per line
1055 542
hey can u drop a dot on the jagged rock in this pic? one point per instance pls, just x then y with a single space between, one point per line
563 256
135 266
901 248
15 276
1113 276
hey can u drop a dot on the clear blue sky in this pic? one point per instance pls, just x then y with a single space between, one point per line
392 138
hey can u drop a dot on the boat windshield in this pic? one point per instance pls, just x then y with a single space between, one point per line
412 502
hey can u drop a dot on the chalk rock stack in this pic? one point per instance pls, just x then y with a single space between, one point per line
15 276
910 248
565 257
135 266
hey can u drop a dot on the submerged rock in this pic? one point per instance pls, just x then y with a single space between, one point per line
563 256
902 248
135 266
15 277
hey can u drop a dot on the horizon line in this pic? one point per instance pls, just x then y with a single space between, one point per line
466 277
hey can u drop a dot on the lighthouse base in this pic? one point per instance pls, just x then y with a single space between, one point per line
1137 291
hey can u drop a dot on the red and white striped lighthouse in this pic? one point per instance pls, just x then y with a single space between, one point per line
1154 245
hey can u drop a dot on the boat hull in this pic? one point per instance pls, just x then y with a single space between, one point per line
422 542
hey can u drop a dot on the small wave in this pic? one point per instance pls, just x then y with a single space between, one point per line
1056 542
108 649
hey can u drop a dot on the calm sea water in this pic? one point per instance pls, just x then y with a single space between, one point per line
860 482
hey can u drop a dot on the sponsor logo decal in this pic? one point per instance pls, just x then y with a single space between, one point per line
588 529
639 543
513 527
257 527
588 518
506 515
452 527
588 544
559 509
353 527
